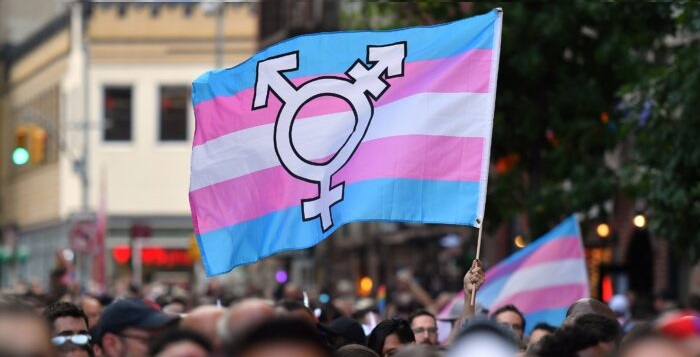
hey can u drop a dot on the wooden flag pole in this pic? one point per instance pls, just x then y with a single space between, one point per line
478 251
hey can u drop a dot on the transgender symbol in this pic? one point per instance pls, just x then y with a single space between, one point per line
365 82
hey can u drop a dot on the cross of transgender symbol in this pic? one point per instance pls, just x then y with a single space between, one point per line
365 82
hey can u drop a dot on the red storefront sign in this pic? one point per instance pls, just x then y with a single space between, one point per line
154 256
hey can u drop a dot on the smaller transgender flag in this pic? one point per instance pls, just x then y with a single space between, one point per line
326 129
542 280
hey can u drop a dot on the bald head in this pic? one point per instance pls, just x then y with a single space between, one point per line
203 320
242 316
588 306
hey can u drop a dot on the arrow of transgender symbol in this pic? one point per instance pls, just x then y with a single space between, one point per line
365 83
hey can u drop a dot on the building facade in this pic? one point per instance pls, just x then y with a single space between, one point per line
118 75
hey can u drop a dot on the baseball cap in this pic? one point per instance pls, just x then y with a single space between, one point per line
349 329
125 313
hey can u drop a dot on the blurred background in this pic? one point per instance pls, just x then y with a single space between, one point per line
596 114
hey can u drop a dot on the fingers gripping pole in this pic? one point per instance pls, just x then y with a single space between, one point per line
478 252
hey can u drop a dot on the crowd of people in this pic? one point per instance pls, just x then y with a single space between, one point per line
255 327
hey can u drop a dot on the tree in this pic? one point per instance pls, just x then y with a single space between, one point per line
562 69
664 119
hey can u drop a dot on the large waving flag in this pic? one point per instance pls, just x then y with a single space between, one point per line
542 280
326 129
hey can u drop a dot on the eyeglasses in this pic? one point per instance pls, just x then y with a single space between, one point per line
80 339
142 339
430 330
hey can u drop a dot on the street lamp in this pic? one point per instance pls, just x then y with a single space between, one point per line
603 230
639 220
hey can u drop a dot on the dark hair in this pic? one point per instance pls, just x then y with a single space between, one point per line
385 328
544 326
278 330
294 305
420 312
179 335
354 350
512 308
64 309
586 331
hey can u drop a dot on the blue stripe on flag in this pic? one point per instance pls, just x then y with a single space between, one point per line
554 317
346 46
406 200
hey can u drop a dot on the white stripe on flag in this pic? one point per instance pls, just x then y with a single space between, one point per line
250 150
545 275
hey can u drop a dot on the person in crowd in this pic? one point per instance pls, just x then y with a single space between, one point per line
295 309
70 329
419 351
92 308
345 331
482 337
354 350
127 327
180 343
23 332
510 316
240 317
389 336
424 326
590 335
646 341
203 320
540 330
280 337
587 306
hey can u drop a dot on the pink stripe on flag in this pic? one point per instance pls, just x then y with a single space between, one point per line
555 297
412 156
465 73
558 249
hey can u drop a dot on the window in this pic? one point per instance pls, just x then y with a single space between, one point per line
117 109
173 112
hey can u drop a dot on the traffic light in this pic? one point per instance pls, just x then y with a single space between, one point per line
20 154
30 145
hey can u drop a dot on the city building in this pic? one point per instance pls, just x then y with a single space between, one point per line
137 62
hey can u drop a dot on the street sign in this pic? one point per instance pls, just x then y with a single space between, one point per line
83 236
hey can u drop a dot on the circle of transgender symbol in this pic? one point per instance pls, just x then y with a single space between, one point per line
365 82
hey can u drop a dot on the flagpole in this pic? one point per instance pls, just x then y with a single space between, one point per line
478 251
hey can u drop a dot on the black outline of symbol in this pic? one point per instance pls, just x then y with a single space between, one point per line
381 76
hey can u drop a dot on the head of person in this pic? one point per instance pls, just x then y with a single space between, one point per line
92 308
646 341
295 309
424 326
389 336
419 351
587 306
590 335
354 350
70 329
347 331
540 330
180 343
483 337
240 317
127 327
23 332
203 320
510 316
280 337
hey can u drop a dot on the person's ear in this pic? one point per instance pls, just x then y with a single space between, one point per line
111 345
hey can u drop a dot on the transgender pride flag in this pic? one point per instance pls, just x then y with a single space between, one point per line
542 280
321 130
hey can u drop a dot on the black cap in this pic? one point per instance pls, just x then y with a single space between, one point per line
122 314
349 329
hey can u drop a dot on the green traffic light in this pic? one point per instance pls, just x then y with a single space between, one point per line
20 156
